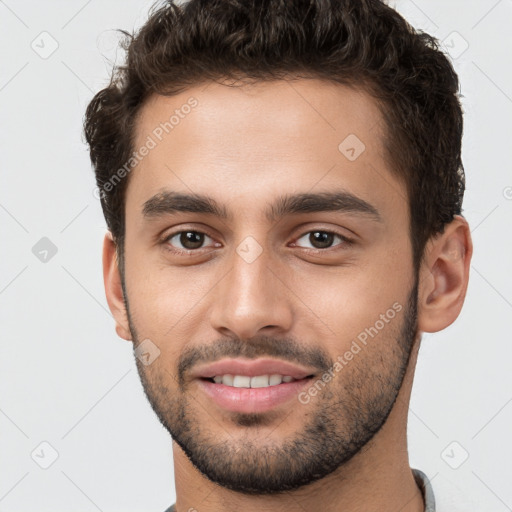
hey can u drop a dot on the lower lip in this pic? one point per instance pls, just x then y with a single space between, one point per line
252 400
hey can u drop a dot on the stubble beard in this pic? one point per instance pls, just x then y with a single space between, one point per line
335 425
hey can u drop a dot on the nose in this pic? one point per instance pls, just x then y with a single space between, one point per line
251 299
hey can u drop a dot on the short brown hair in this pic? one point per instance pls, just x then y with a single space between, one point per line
361 43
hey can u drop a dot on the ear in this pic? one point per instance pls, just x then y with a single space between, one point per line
113 288
444 276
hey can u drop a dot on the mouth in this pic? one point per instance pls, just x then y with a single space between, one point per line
248 386
258 381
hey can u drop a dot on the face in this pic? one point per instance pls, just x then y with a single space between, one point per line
268 263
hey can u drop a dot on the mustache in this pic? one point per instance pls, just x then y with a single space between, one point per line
287 349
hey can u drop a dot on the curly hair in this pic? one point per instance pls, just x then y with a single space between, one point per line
360 43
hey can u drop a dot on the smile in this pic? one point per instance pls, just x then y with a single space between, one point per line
259 381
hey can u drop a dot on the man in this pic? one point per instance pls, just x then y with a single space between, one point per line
282 184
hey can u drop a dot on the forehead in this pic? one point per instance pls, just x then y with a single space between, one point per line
278 136
300 110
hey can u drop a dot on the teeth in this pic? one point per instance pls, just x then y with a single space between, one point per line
275 379
241 381
227 379
260 381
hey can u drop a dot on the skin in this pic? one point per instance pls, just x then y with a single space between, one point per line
245 147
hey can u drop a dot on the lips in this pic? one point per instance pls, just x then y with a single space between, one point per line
252 368
229 383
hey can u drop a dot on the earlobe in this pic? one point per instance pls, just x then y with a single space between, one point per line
444 276
113 287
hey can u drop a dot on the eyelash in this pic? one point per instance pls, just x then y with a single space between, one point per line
345 241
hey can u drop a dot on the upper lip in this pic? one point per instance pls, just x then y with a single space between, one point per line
251 368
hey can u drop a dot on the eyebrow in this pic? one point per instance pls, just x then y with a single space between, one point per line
169 202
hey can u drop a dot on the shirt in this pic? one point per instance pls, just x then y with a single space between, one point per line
422 481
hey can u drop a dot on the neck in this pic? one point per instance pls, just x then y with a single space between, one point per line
378 478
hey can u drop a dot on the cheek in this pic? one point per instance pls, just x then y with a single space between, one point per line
164 300
345 303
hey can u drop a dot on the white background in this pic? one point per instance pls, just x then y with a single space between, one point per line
68 380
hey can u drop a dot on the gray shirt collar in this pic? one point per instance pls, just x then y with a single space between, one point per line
426 488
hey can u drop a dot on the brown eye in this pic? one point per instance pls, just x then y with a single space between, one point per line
323 239
189 240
